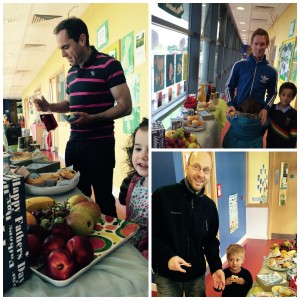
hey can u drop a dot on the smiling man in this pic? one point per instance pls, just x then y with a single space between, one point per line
185 224
97 93
253 77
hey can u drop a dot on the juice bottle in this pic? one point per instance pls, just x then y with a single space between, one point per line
201 93
48 119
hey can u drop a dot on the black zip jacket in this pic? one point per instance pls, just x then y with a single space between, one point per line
184 224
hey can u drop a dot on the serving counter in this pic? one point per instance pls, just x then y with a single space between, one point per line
122 273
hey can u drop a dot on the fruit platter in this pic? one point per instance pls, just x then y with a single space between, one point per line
180 138
282 256
67 239
48 184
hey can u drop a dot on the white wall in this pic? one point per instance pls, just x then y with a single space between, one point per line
257 222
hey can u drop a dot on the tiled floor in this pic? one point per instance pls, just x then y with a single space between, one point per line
255 252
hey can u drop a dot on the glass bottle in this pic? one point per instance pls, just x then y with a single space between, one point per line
209 89
201 93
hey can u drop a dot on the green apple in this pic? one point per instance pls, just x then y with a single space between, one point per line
82 224
89 207
77 199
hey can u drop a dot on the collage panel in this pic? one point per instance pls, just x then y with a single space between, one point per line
222 222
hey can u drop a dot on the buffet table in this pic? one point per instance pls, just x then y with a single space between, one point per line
211 136
122 273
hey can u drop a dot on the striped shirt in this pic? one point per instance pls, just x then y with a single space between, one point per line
282 132
89 91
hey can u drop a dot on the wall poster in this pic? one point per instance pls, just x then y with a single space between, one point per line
102 35
114 50
159 65
233 213
286 53
127 52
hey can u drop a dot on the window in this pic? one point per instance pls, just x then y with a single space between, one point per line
57 91
169 60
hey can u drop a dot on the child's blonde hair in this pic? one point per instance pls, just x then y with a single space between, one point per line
235 249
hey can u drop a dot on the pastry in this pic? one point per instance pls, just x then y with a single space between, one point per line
39 181
67 174
234 277
271 262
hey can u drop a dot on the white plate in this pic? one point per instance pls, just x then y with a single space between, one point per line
277 268
200 128
53 190
103 230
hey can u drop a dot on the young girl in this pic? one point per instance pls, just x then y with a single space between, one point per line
245 129
134 188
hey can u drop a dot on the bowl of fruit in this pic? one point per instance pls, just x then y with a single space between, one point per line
180 138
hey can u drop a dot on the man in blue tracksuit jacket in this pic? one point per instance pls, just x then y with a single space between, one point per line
253 77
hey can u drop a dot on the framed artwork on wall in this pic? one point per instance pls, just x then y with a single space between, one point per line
286 53
114 50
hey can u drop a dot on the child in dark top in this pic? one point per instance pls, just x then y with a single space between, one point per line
134 188
282 130
245 129
238 280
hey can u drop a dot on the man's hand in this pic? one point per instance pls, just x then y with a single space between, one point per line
176 262
84 118
230 111
264 115
41 104
219 280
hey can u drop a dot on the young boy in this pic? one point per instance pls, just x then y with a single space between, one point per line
282 130
245 129
238 280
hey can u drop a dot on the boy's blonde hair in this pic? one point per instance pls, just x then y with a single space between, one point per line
235 249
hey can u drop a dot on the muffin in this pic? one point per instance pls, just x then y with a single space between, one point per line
271 262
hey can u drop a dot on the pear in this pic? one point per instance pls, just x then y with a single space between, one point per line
81 224
89 207
77 199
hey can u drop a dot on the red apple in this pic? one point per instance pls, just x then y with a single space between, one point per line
60 264
61 229
53 242
34 247
81 250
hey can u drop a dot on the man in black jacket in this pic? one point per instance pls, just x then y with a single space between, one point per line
185 224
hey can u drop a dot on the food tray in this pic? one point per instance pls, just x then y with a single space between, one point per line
200 128
277 268
66 186
108 235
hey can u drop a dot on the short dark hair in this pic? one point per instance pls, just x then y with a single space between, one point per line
74 27
290 86
250 106
260 31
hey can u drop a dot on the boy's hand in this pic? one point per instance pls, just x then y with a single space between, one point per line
229 280
239 280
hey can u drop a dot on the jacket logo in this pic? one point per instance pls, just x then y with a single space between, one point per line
264 79
175 212
93 73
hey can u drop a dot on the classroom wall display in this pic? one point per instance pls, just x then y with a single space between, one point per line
114 50
159 66
286 53
178 76
140 48
127 53
170 59
102 35
132 121
293 71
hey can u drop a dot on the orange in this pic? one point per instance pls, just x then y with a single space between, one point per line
30 219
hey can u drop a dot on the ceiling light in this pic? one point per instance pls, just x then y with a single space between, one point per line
240 8
242 23
243 30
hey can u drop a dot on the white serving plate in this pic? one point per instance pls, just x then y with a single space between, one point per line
109 234
67 185
195 129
